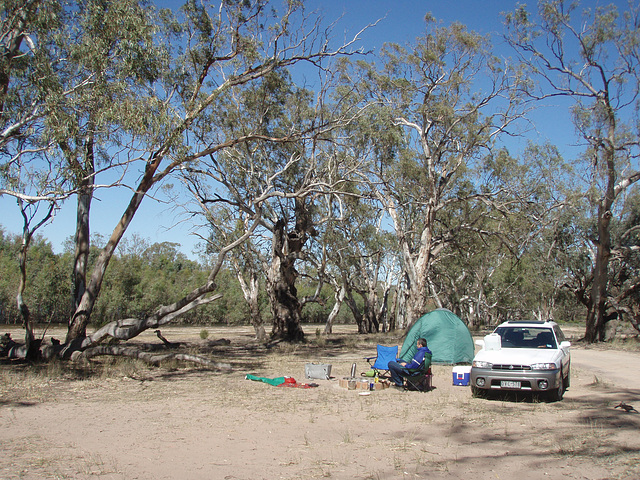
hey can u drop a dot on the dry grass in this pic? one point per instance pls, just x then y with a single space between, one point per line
326 432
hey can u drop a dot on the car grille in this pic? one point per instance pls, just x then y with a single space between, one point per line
511 367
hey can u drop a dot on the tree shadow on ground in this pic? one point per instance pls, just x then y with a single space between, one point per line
20 404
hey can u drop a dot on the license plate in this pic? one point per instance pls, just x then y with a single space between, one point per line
509 384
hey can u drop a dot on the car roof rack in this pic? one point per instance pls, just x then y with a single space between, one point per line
529 322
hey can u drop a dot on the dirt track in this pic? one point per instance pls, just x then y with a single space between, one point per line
618 368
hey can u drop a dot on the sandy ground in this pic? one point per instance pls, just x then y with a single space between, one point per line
192 423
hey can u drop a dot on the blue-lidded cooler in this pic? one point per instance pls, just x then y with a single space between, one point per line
461 375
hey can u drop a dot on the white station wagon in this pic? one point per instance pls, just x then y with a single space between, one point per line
522 356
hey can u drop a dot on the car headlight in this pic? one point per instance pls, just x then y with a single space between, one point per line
544 366
481 364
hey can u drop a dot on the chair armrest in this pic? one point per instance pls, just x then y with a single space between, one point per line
424 368
415 371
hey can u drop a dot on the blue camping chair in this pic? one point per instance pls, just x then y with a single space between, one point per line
380 363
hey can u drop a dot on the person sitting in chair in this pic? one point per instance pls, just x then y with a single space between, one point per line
399 370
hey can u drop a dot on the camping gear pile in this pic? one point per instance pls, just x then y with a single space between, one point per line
448 338
371 382
359 383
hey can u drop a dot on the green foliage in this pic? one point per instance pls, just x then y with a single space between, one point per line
138 282
478 224
48 282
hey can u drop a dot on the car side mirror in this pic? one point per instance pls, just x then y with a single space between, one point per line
565 344
480 343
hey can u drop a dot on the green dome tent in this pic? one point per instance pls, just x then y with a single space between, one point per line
447 336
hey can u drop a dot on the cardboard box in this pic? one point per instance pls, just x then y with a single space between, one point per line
461 375
317 370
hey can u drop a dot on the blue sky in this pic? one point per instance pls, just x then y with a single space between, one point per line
401 22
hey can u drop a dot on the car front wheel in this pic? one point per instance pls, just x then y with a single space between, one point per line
477 392
558 393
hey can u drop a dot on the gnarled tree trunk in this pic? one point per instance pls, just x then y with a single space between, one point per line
281 276
281 279
595 324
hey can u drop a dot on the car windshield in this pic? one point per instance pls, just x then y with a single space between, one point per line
526 337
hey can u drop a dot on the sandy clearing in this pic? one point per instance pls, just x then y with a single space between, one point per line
190 423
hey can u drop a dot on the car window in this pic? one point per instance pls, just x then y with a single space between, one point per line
526 337
559 334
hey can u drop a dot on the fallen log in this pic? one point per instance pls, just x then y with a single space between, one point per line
148 357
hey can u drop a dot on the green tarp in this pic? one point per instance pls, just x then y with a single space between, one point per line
271 381
447 336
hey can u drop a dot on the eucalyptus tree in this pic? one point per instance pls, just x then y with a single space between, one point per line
112 48
28 230
592 59
247 261
282 182
361 260
27 173
72 84
248 275
507 265
624 290
138 87
226 50
577 251
439 105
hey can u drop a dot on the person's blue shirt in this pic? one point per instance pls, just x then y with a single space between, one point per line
418 358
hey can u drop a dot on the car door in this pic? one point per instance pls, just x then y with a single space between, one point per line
564 350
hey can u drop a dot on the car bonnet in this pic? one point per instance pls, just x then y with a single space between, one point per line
518 356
